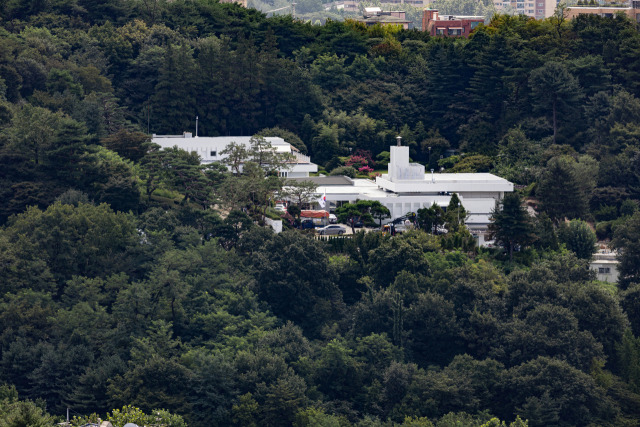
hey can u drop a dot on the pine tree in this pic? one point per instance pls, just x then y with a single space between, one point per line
174 100
511 224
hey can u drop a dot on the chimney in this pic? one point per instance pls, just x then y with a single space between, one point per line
399 140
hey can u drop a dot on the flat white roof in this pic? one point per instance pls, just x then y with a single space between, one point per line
463 177
279 144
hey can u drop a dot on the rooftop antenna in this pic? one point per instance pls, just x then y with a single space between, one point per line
399 140
196 126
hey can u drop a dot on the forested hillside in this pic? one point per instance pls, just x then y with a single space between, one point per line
137 278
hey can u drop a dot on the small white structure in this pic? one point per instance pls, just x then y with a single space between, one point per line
210 148
605 264
407 188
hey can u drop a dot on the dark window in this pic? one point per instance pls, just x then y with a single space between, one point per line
214 153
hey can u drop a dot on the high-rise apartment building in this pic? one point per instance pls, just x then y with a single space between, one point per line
538 9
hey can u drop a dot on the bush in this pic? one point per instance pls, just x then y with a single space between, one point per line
606 213
344 171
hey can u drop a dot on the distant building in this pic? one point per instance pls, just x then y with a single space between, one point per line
354 5
407 188
538 9
449 25
375 15
605 264
210 150
242 3
632 11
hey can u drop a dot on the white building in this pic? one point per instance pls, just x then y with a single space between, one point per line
407 188
605 264
210 148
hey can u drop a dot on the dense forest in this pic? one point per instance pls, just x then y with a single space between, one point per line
138 285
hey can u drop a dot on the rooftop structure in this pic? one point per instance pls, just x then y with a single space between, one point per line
632 11
605 264
449 25
538 9
354 5
210 148
375 15
407 188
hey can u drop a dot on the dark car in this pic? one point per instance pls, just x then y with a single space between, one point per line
307 224
356 223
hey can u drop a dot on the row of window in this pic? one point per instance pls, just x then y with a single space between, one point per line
450 31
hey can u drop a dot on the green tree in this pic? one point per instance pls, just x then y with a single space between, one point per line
456 214
303 291
174 96
301 192
84 240
579 237
16 413
431 218
511 224
350 213
130 145
626 239
628 352
235 155
379 212
560 192
555 90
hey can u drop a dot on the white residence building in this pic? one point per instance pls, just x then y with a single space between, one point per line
407 188
210 148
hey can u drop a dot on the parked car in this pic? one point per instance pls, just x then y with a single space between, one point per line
280 207
333 219
356 223
331 229
307 224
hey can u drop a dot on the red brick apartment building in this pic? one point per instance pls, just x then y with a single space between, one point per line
449 25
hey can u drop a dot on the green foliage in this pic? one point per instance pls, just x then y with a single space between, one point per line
511 224
131 414
626 238
185 303
473 164
579 238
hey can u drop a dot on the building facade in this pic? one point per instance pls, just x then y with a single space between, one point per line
632 11
210 150
449 25
374 15
538 9
354 5
407 188
605 264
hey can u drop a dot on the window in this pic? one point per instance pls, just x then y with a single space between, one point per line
454 31
604 270
214 153
439 31
283 174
